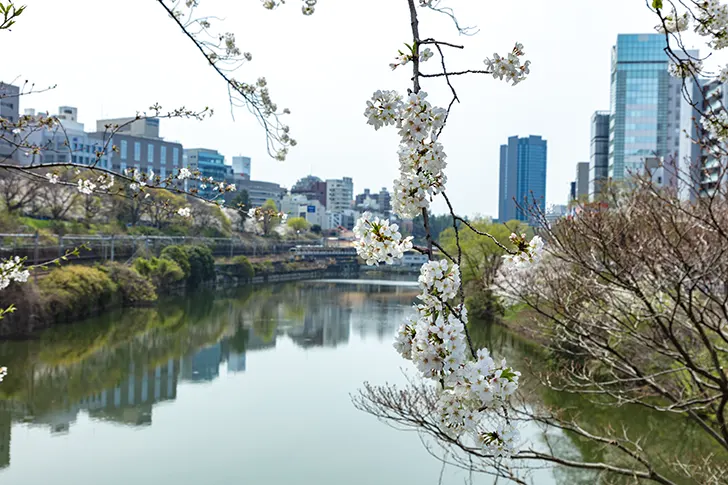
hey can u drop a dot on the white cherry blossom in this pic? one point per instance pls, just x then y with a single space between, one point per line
509 68
86 187
527 253
12 270
674 24
378 241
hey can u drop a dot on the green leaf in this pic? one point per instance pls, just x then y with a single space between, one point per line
656 4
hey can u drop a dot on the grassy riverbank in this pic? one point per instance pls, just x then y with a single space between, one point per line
71 292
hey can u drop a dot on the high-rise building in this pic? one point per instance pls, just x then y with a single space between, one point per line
581 183
312 187
599 153
645 104
210 163
522 177
241 166
138 145
9 111
691 158
339 194
708 168
380 203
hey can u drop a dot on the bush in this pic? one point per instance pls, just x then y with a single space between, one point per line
75 291
196 262
243 267
202 264
162 271
178 254
133 287
264 267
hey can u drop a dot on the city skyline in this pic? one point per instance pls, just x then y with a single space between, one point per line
539 105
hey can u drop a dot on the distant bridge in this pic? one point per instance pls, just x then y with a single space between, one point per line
312 253
39 249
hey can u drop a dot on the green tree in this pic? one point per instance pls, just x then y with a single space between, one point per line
481 260
298 224
268 217
162 207
162 271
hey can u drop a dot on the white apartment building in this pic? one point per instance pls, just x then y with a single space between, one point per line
339 194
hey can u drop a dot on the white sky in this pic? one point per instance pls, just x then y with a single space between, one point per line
111 59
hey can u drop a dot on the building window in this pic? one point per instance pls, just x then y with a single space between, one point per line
123 167
163 172
163 155
150 153
137 151
175 156
123 149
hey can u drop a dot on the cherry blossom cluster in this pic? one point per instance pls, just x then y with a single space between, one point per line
685 68
307 8
434 339
12 270
378 241
403 58
384 109
527 252
3 373
716 124
475 389
509 68
439 282
673 24
712 21
422 158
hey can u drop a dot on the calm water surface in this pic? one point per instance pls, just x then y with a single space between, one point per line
248 386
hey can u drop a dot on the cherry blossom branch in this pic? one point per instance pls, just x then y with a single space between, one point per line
253 96
458 73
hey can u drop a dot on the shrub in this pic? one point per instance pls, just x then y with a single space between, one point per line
133 287
202 264
264 267
74 291
162 271
178 254
243 267
196 262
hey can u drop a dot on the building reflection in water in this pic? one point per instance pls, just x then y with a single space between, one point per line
312 315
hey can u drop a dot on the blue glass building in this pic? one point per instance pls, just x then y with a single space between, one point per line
645 104
522 177
210 163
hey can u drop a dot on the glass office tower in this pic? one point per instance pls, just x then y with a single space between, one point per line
645 104
522 177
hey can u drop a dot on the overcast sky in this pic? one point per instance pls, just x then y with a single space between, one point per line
111 59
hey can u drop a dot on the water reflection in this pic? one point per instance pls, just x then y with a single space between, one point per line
117 368
220 357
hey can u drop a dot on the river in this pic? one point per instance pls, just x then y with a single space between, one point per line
251 385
